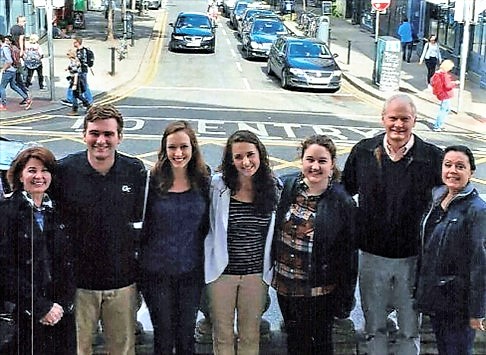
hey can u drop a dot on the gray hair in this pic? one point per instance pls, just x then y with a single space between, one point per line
404 99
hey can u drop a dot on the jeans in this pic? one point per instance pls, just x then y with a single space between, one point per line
444 109
245 293
87 92
8 77
117 311
308 324
407 51
388 283
453 336
173 302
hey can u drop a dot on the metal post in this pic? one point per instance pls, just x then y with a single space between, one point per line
349 53
329 36
50 49
377 30
468 13
113 50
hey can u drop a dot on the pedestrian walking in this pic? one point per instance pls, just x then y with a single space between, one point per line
452 283
443 88
17 32
100 192
172 242
33 61
392 174
432 57
405 33
81 53
10 59
314 250
76 84
237 248
36 260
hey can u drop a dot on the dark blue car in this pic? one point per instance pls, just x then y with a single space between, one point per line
304 62
263 31
193 31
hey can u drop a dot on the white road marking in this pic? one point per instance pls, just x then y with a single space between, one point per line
246 83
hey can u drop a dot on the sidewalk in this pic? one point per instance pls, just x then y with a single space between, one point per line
413 77
100 81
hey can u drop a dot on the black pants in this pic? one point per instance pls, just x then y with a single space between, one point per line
173 302
40 76
407 51
19 80
431 64
36 338
308 324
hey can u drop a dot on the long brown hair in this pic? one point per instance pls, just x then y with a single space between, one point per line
197 171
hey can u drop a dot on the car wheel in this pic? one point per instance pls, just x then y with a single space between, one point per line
269 69
334 90
211 49
246 52
171 47
284 80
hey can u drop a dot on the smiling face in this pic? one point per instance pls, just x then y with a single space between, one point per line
246 158
398 120
317 166
179 150
35 177
102 140
456 171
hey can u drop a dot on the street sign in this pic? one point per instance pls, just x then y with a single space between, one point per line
380 5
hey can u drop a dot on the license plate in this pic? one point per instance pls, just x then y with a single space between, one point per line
194 43
319 80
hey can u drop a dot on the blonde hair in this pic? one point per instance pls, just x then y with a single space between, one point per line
33 38
446 65
71 53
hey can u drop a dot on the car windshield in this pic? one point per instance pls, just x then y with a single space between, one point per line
268 27
308 50
240 8
193 21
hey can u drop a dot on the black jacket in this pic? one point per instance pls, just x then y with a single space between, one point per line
363 175
34 262
334 254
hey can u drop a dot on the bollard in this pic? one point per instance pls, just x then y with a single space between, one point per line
349 53
329 39
113 49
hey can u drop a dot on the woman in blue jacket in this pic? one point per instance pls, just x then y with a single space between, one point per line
237 247
172 240
452 280
314 250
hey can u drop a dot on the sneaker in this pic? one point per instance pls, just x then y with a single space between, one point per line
23 102
66 102
437 129
3 107
73 113
28 104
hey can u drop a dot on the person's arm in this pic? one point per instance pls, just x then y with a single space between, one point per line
422 57
349 178
7 54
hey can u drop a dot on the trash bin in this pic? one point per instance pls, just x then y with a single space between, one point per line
323 29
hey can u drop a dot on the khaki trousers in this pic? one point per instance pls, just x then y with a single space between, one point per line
247 295
117 311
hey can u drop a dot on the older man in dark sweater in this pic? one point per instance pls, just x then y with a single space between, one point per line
392 174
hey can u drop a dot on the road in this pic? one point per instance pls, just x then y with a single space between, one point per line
222 92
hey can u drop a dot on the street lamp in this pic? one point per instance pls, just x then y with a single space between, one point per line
49 5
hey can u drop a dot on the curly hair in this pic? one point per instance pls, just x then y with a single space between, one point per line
15 171
197 171
264 182
323 141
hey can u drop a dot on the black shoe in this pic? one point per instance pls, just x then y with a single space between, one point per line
66 102
23 102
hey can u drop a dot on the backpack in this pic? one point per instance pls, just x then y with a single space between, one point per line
32 58
14 53
89 57
437 85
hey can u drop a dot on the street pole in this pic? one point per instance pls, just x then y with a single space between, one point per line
464 52
50 48
377 30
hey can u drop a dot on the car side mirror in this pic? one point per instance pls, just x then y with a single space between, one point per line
171 24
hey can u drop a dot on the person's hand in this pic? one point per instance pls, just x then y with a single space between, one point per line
420 62
53 316
477 324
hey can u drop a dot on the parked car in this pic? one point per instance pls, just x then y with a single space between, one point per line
154 4
228 6
237 12
249 14
259 39
304 62
193 31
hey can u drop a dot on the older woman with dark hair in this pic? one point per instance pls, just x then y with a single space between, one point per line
452 279
237 248
36 259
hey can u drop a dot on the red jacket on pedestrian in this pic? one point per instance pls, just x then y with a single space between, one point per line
443 85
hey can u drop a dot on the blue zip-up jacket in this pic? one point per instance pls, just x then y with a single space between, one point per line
452 276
